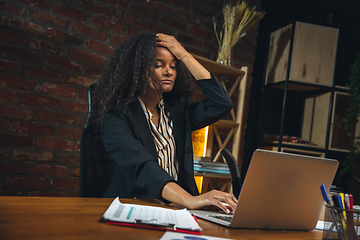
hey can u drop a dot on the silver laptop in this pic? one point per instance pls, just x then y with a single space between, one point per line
280 191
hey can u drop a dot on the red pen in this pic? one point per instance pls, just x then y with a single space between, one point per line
350 217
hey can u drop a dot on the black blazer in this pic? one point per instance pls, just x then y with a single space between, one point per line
134 171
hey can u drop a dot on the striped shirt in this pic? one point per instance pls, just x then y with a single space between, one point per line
163 138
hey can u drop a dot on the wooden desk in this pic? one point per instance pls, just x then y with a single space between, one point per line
78 218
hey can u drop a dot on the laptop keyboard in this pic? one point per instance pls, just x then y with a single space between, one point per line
224 218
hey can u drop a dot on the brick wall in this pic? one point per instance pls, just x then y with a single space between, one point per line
51 51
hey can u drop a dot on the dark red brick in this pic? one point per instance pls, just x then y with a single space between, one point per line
49 170
209 46
121 4
26 127
7 95
130 20
32 156
144 12
155 28
23 26
13 37
36 3
69 38
116 38
15 113
87 56
108 24
7 50
71 133
41 73
36 100
77 146
11 193
65 183
16 82
48 194
54 34
94 71
83 95
173 23
62 63
182 3
47 18
200 32
4 125
160 7
6 65
63 158
15 141
188 16
53 117
98 9
53 143
93 45
26 183
13 168
75 172
79 80
48 47
69 12
74 107
58 90
8 8
92 32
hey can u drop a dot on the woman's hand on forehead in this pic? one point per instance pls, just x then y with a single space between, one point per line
171 43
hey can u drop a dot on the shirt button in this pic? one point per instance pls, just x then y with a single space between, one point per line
188 150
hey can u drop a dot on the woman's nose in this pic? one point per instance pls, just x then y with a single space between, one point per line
168 71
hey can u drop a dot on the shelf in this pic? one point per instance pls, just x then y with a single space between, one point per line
299 86
237 78
338 137
289 149
218 68
226 124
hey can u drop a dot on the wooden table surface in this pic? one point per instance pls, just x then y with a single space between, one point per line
78 218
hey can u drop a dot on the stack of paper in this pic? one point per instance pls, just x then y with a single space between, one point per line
150 217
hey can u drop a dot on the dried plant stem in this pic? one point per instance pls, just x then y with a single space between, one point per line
238 20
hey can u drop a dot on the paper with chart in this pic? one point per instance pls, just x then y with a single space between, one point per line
130 213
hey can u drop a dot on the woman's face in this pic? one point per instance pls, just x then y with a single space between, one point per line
164 70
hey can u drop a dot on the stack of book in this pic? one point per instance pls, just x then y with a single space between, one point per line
205 167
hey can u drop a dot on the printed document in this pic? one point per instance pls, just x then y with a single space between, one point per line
133 213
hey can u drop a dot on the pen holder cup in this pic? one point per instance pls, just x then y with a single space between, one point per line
343 225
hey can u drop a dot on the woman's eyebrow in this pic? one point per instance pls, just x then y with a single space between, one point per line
162 60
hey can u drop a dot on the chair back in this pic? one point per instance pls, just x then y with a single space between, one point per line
93 159
236 179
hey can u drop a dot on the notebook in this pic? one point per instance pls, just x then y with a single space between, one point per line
280 191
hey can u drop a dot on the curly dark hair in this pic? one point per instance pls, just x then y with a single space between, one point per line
128 73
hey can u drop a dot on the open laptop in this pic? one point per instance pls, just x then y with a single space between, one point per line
280 191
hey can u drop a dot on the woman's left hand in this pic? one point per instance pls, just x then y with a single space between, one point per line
171 43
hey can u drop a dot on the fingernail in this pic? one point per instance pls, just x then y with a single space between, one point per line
227 210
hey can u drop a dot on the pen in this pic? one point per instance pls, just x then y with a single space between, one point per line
335 200
350 216
324 194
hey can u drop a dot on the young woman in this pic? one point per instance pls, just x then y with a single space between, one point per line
142 109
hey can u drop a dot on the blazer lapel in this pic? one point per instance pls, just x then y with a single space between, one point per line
143 127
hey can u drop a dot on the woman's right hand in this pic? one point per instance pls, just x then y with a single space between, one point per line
222 200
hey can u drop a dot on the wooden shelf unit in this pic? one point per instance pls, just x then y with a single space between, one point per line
301 60
222 71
